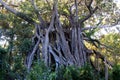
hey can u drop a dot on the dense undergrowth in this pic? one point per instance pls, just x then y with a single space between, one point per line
40 72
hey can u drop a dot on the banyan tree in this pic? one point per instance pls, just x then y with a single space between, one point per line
59 34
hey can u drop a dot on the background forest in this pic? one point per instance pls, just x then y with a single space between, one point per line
59 40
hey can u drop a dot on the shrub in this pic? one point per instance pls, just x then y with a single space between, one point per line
40 72
116 72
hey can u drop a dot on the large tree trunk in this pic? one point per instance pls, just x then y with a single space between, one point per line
58 45
78 47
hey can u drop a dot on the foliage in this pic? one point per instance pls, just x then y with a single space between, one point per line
116 72
10 67
76 73
40 72
3 66
112 51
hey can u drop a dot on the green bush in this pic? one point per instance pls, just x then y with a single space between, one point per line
40 72
25 45
116 72
17 72
3 66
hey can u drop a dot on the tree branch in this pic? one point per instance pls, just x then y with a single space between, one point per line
19 14
89 15
31 56
76 11
99 27
8 7
89 5
91 11
103 58
37 12
46 43
48 3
